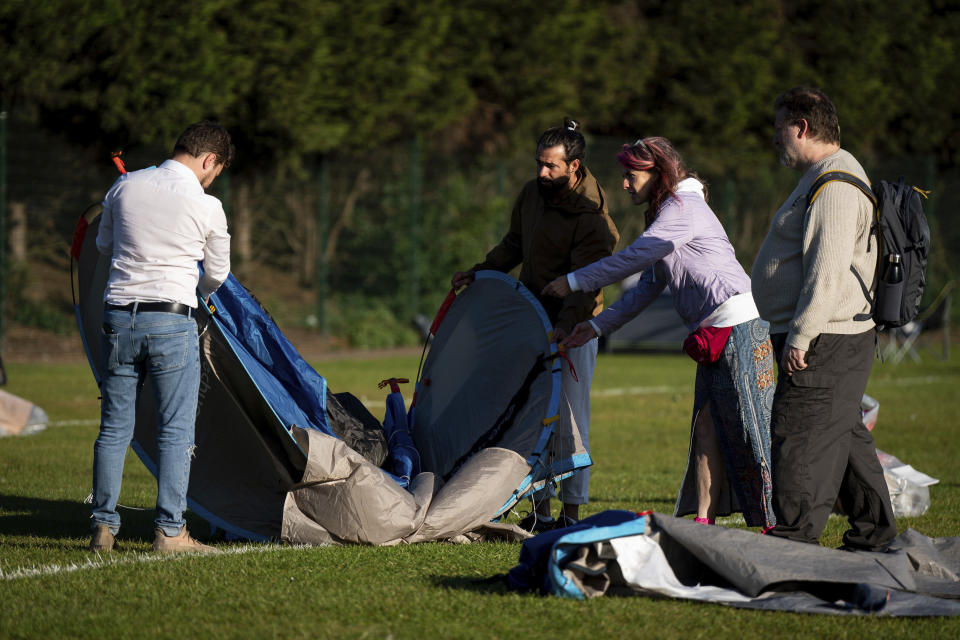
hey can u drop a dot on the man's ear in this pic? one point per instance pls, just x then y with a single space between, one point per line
803 128
209 160
574 165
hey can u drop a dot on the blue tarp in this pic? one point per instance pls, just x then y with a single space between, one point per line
543 557
295 391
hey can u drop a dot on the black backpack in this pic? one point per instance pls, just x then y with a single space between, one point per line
902 230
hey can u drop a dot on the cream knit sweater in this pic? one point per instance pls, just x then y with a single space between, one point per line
802 279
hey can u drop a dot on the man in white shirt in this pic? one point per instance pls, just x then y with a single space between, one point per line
156 225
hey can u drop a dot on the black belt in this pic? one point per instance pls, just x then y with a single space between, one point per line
163 307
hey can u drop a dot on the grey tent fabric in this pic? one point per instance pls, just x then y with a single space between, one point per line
492 378
754 563
488 345
917 576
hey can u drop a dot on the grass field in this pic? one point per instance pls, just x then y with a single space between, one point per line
50 586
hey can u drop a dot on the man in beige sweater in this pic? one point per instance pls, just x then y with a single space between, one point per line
811 280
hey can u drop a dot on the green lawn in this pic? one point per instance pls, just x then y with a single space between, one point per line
50 586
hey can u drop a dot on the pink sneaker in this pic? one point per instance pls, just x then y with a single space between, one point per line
705 520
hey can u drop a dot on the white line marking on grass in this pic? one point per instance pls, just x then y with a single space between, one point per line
636 391
906 382
641 391
74 423
100 561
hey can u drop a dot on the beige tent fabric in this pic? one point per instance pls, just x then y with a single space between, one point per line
19 416
490 532
350 498
343 498
473 495
593 568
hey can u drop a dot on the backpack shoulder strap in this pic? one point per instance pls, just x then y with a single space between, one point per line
846 176
839 176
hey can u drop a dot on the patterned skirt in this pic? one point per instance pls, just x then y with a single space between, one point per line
739 387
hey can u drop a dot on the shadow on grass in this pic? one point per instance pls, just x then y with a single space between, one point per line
492 584
42 518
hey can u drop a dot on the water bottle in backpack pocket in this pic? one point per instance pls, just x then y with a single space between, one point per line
890 291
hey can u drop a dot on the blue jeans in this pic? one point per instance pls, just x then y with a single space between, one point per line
575 414
165 347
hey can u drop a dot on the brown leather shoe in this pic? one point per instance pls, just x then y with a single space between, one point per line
102 540
180 543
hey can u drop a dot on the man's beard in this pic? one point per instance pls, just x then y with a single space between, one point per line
787 158
552 188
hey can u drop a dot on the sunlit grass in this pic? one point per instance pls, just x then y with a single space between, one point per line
639 436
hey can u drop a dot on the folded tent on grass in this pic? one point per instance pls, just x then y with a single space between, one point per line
623 553
279 456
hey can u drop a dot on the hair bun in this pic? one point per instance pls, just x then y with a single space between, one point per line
570 124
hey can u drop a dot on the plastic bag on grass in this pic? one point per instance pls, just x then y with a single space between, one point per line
909 489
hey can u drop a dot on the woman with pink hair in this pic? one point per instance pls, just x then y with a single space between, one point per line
684 248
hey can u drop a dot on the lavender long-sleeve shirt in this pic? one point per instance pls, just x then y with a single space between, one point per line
685 249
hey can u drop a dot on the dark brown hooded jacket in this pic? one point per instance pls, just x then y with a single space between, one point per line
550 238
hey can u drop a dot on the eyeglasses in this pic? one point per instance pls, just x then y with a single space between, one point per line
643 145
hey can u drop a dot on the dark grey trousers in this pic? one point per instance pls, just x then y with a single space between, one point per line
821 450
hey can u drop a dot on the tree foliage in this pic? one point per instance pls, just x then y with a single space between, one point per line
304 84
301 77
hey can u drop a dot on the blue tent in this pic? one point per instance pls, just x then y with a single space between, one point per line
279 456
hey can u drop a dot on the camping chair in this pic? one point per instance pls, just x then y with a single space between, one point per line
901 340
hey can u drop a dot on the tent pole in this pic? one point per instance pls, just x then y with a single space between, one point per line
415 177
323 268
3 229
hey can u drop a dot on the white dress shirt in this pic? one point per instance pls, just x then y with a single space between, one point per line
156 225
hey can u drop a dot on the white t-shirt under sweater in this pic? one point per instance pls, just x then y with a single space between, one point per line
807 277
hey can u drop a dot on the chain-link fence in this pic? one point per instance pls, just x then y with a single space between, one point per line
358 246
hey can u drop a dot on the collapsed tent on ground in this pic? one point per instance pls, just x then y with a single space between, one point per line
624 553
281 457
